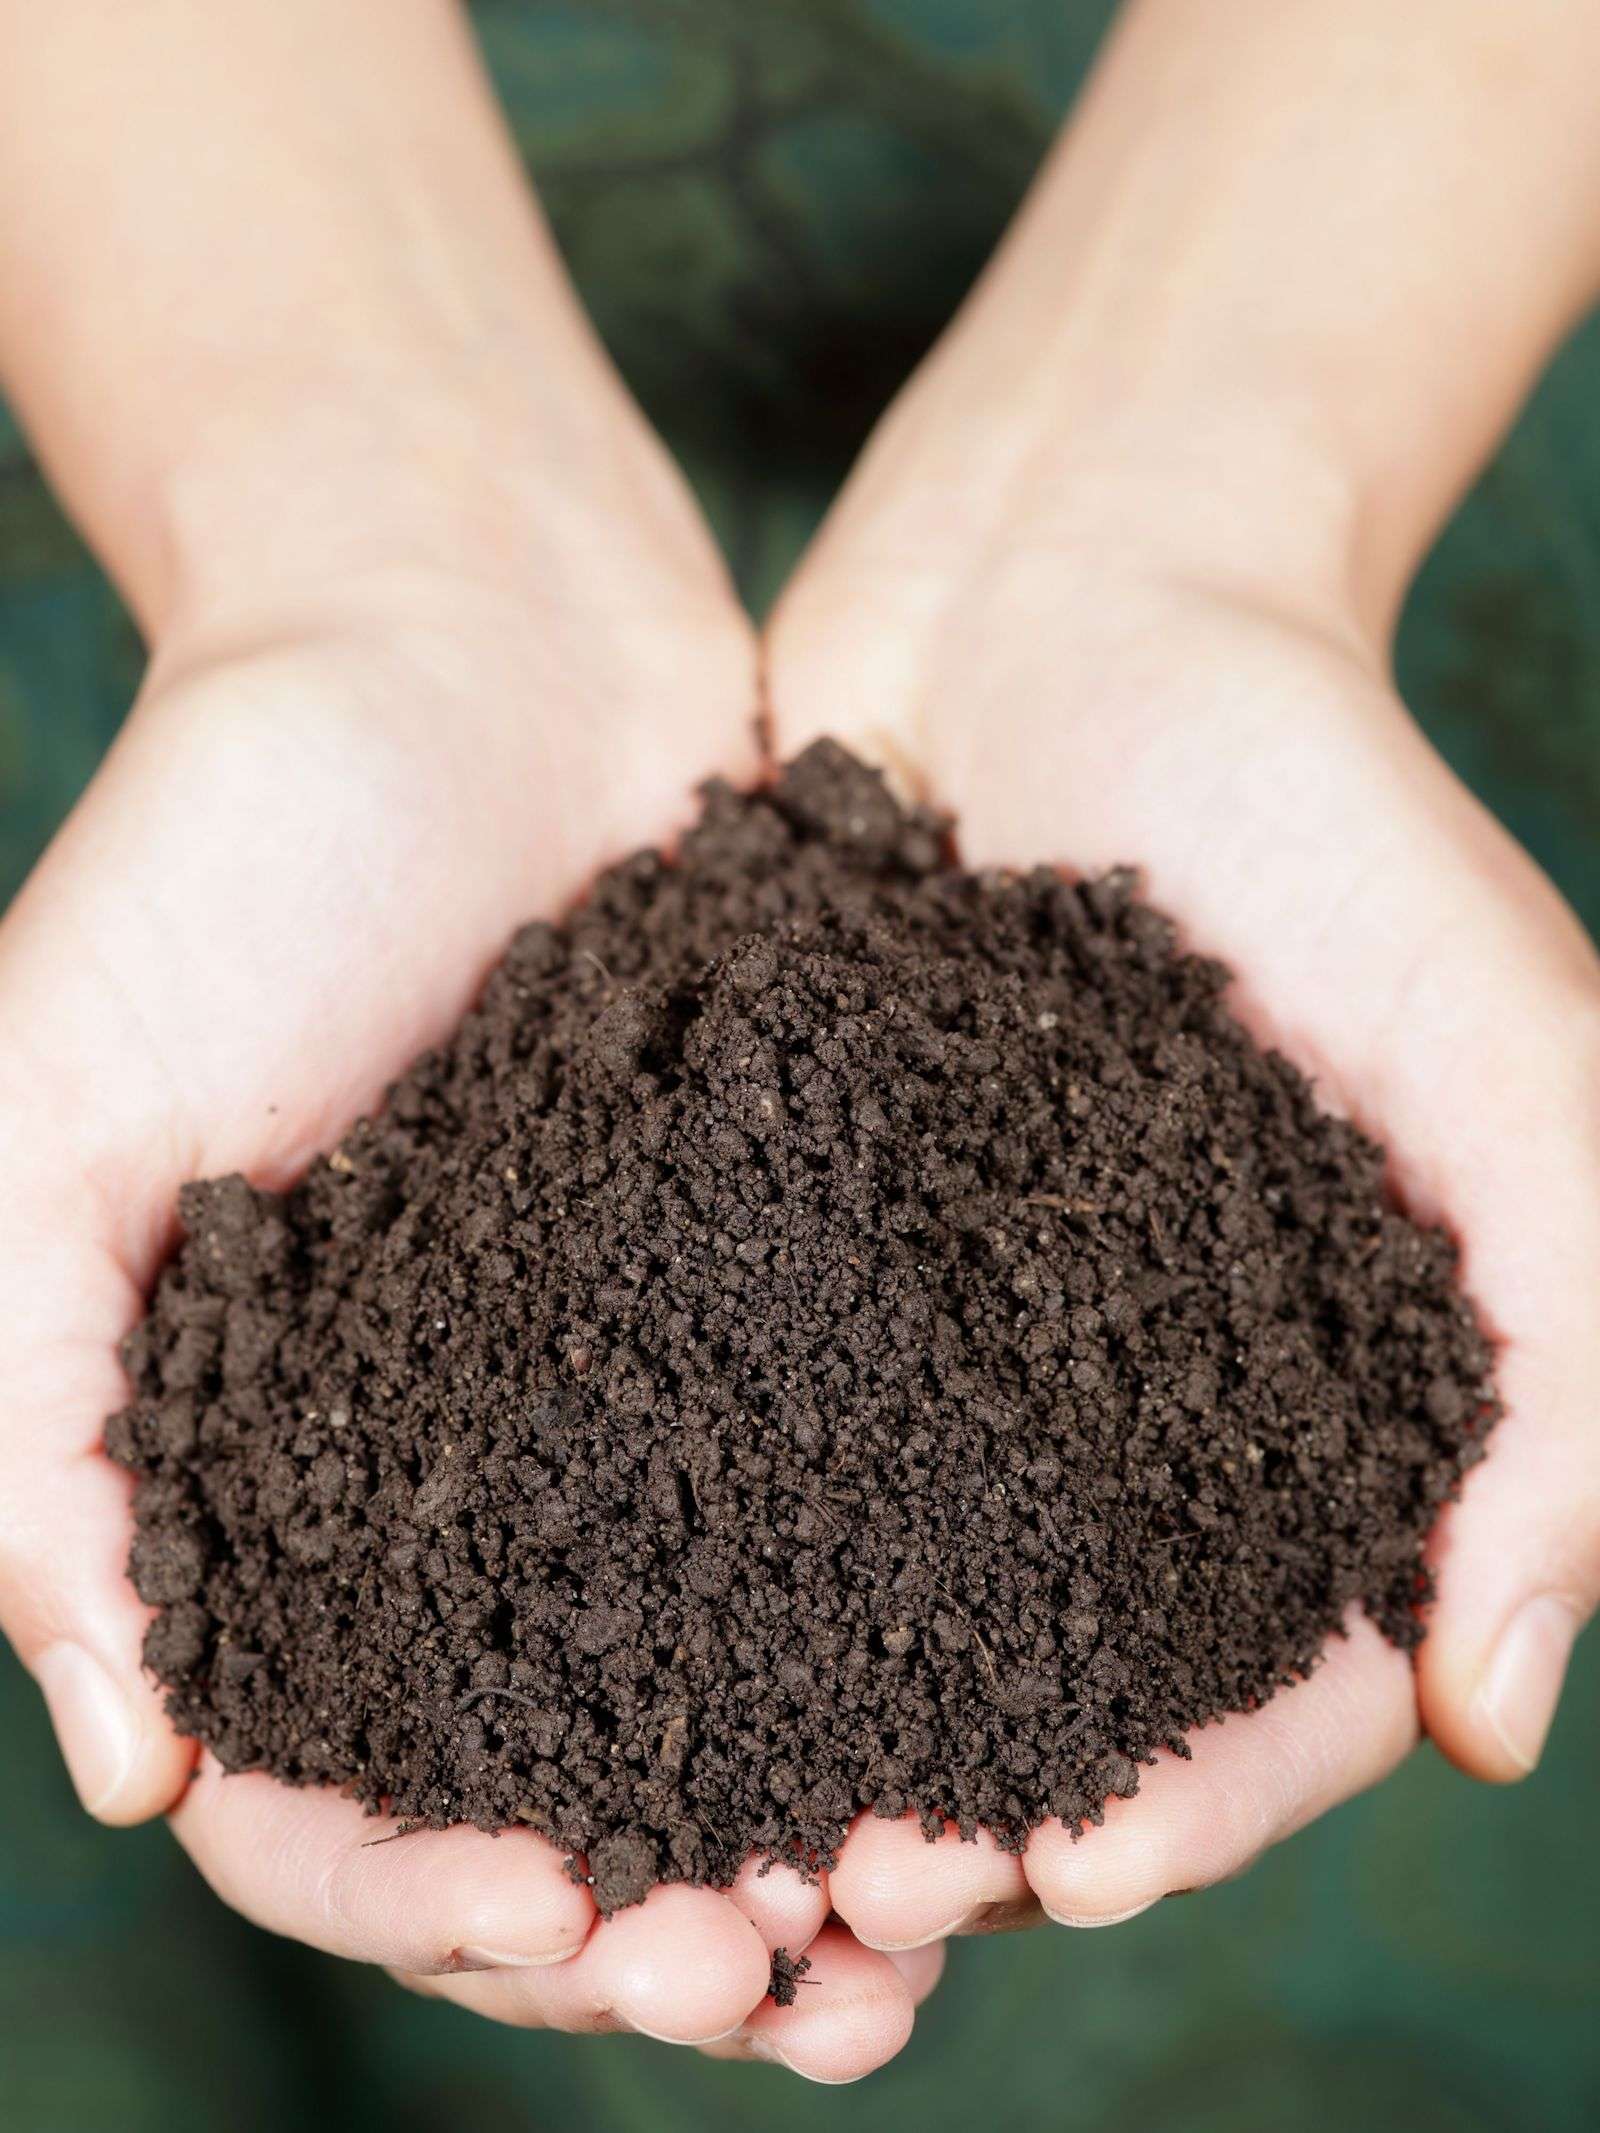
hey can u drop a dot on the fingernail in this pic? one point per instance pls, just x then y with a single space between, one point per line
511 1959
1522 1683
760 2046
660 2036
923 1940
1085 1922
95 1727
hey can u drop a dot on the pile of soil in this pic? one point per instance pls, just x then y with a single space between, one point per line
829 1331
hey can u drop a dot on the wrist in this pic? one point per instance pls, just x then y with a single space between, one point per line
354 484
1083 469
1246 490
1277 293
286 314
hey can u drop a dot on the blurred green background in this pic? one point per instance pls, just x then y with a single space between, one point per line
772 206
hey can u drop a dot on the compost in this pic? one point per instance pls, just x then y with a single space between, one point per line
830 1331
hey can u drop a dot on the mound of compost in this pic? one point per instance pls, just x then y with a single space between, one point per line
829 1331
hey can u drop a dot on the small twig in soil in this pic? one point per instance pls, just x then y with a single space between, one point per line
972 1632
1000 1696
511 1695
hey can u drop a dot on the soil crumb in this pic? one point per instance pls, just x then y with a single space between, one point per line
788 1975
830 1331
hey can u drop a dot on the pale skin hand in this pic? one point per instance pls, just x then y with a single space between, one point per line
332 731
436 632
1402 952
292 873
1115 581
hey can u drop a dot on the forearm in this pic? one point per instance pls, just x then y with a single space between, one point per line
273 287
1299 261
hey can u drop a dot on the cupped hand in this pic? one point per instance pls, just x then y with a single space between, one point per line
1083 686
316 832
311 840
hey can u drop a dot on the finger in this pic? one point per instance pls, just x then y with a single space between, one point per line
921 1968
1251 1781
852 2012
311 1864
502 1996
684 1967
896 1890
786 1910
1518 1559
67 1606
65 1600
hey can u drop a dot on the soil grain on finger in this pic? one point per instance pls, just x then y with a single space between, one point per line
829 1331
788 1975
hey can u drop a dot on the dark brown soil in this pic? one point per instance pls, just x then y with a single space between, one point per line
829 1331
788 1975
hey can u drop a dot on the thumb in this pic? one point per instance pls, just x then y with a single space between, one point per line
1517 1560
75 1623
65 1600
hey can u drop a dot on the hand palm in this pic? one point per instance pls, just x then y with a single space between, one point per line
297 868
292 875
1390 939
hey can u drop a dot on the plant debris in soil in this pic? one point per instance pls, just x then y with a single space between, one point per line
830 1331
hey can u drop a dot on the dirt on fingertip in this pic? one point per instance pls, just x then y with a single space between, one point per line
788 1975
830 1331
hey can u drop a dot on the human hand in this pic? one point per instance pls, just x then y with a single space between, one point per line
1114 582
160 994
436 633
322 822
1079 667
